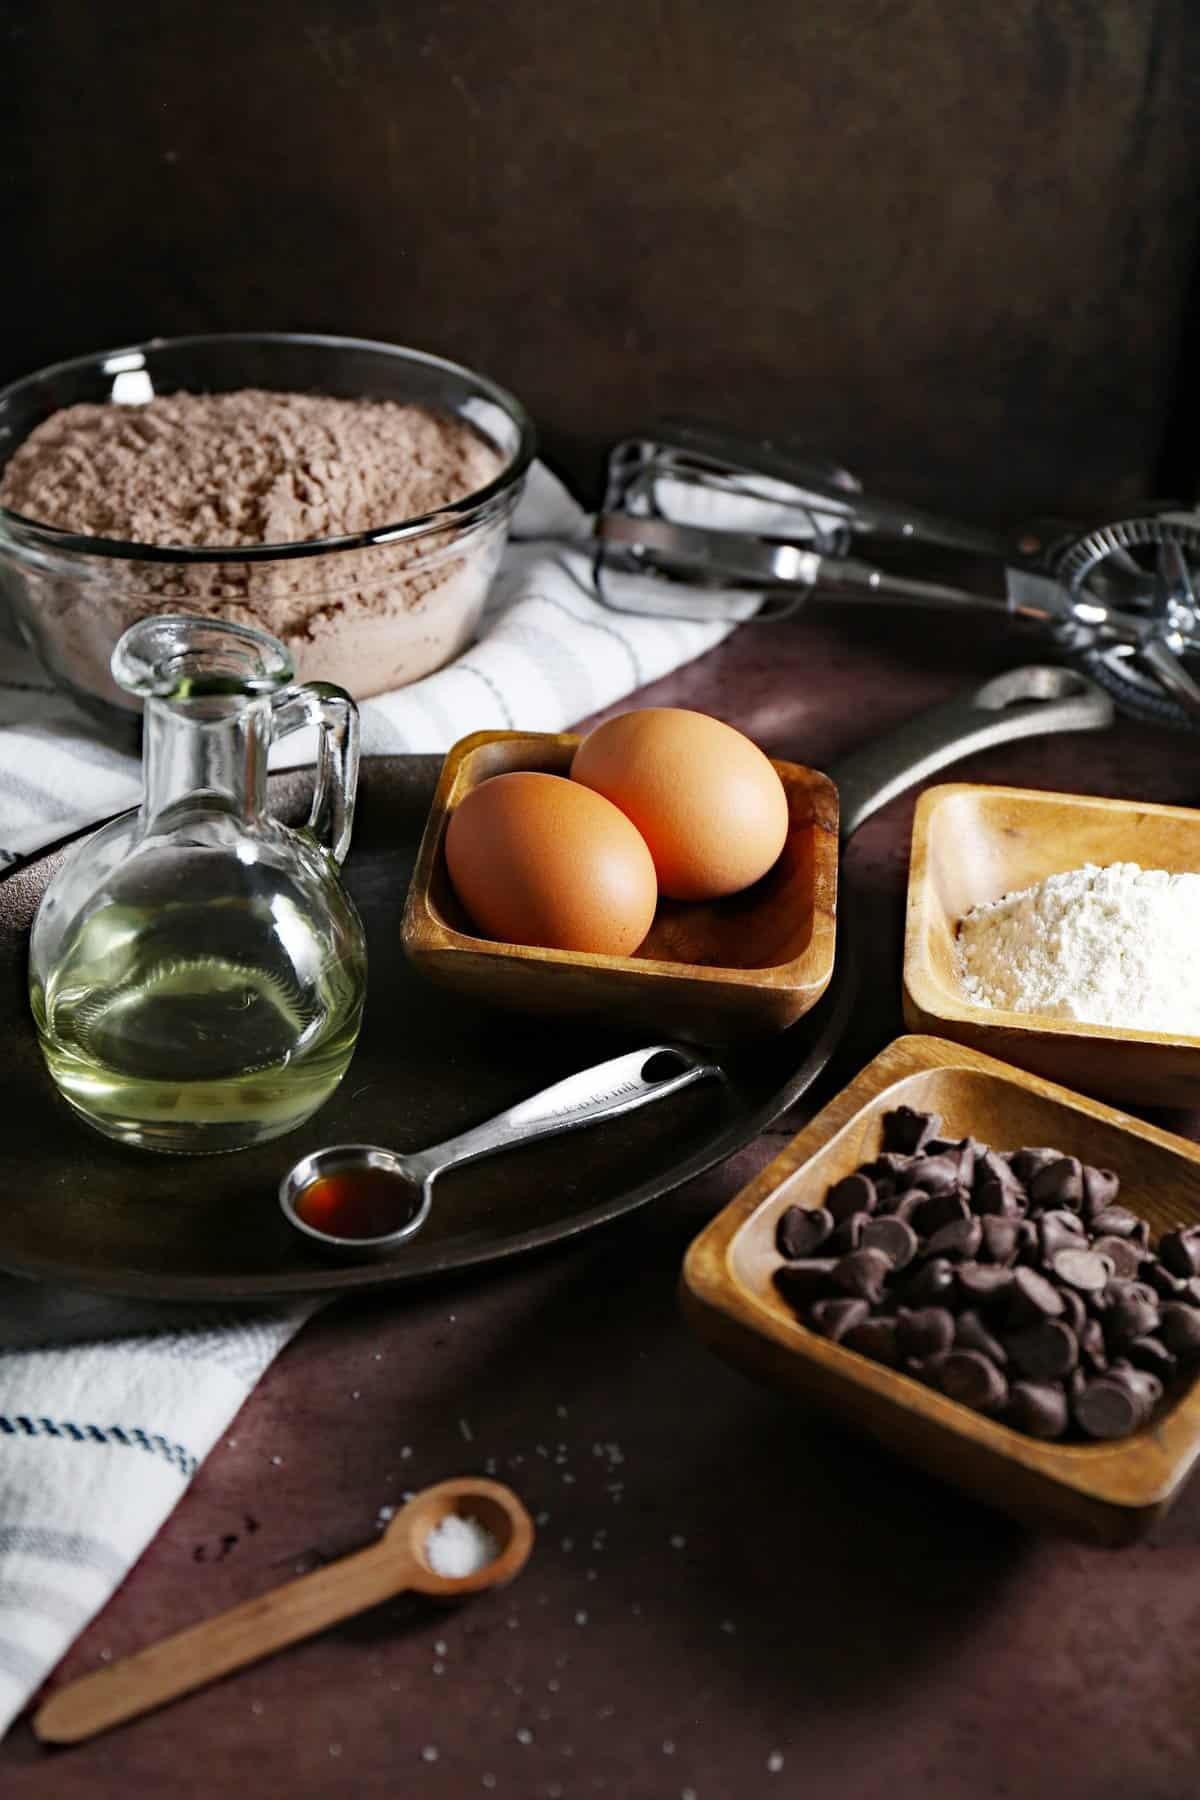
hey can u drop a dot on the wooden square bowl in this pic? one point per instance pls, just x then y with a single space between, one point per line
972 844
709 972
1108 1493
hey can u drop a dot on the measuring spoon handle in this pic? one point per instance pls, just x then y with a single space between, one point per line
217 1646
603 1092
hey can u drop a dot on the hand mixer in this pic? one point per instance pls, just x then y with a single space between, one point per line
715 526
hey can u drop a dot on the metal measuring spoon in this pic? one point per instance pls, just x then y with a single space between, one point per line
606 1091
397 1562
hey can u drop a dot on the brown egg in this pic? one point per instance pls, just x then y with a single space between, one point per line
706 800
538 859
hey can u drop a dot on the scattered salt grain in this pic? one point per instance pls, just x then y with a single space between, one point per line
383 1515
687 1794
256 1707
465 1427
581 1618
668 1747
357 1394
543 1518
429 1753
335 1749
439 1668
552 1687
276 1462
458 1546
524 1735
729 1626
488 1780
439 1649
561 1411
677 1542
405 1452
106 1656
775 1762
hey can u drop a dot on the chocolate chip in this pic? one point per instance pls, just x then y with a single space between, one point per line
1033 1298
931 1214
932 1282
801 1231
1044 1352
863 1273
1147 1387
982 1284
1129 1317
1092 1348
1059 1184
1000 1239
1074 1313
1125 1257
924 1333
1180 1250
894 1237
891 1167
1082 1269
906 1130
1153 1273
941 1146
968 1376
876 1338
1060 1231
1038 1407
935 1174
1000 1199
847 1235
853 1193
960 1240
1100 1189
970 1333
1181 1330
834 1318
802 1282
1027 1163
1116 1221
1152 1354
1107 1409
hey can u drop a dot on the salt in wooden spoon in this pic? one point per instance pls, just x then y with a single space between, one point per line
201 1654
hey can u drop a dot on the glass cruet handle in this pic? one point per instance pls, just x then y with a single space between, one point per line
335 715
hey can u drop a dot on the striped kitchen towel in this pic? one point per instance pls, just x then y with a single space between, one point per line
108 1407
548 653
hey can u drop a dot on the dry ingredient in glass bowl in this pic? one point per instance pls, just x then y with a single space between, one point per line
1106 946
252 468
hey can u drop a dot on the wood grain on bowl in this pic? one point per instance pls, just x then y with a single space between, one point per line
1108 1493
711 972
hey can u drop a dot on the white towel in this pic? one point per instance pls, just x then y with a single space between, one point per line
107 1408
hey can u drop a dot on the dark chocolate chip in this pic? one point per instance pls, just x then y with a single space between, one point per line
853 1193
1116 1221
892 1167
1044 1352
931 1214
983 1284
863 1273
1000 1239
1033 1298
1027 1163
802 1282
970 1333
875 1338
1059 1184
1083 1269
932 1282
1106 1408
894 1237
969 1377
1060 1231
1125 1257
906 1130
1181 1330
960 1241
1092 1349
1074 1313
1029 1249
998 1198
935 1174
924 1333
801 1231
834 1318
1180 1250
941 1146
1100 1190
847 1235
1129 1317
1140 1382
1152 1354
1038 1407
1160 1278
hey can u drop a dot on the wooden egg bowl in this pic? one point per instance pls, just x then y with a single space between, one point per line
972 844
709 972
1109 1493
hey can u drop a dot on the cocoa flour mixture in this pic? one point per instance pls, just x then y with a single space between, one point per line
226 471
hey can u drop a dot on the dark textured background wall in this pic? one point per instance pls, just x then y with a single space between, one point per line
950 243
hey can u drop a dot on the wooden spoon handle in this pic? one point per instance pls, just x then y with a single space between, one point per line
217 1646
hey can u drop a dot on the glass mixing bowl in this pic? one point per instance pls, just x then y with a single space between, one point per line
370 612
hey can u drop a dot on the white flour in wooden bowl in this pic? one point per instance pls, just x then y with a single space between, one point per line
1112 946
259 468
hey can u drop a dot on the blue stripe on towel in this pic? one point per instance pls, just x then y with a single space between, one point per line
124 1436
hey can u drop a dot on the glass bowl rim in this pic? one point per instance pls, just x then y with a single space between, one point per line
454 512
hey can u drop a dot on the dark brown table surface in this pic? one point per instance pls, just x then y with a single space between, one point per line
726 1598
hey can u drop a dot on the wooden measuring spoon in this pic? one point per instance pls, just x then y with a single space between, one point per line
217 1646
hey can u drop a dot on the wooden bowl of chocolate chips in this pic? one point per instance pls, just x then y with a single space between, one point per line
994 1277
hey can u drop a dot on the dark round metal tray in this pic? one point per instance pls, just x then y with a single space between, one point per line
82 1211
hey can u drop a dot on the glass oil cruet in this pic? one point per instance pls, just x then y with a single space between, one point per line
197 970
